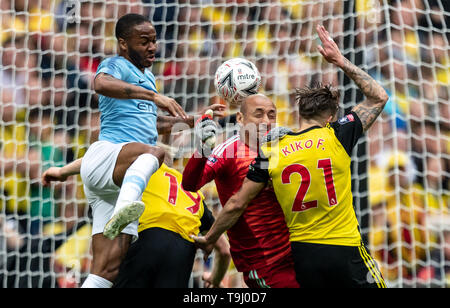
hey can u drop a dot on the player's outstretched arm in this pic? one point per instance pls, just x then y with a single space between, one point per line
376 96
109 86
61 173
166 123
229 215
222 258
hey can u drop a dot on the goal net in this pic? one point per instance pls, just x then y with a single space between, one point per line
50 50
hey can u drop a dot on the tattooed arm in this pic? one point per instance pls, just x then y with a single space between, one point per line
376 96
109 86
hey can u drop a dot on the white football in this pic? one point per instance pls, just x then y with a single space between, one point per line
235 79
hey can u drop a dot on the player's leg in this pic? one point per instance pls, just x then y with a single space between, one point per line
278 275
135 270
101 192
365 270
177 259
135 165
107 254
254 280
322 266
132 155
158 259
107 257
273 276
315 266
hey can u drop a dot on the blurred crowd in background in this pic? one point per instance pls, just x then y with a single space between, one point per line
50 50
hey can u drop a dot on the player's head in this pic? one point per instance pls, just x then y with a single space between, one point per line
257 115
137 39
319 103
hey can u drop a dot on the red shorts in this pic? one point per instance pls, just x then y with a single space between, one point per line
272 276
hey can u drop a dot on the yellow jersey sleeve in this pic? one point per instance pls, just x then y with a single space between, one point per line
170 207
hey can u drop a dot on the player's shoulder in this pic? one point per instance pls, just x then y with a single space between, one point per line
350 118
116 61
222 148
112 59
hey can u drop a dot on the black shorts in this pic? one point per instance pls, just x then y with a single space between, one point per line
331 266
158 259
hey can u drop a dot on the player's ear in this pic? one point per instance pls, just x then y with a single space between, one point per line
123 45
240 117
331 118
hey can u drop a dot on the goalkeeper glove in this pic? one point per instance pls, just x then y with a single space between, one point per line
205 130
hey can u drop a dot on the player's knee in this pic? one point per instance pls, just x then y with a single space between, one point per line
139 149
158 152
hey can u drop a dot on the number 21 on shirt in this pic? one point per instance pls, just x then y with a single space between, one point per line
299 205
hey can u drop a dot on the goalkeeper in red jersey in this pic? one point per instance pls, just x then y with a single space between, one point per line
259 241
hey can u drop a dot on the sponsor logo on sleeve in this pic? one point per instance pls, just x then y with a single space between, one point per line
348 118
212 160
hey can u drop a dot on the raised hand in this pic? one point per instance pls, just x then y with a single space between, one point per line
329 49
170 105
376 96
205 130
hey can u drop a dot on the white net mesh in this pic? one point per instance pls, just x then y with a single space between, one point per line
50 51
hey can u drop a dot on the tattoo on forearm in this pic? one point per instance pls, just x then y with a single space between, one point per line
371 108
367 114
367 84
128 92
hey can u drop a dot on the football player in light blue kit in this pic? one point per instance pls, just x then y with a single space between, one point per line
116 169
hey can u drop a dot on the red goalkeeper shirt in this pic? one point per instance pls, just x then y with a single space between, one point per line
260 237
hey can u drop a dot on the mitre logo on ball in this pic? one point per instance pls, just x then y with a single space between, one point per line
236 79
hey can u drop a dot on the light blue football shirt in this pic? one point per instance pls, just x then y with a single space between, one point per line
127 120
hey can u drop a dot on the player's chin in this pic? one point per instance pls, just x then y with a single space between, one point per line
148 61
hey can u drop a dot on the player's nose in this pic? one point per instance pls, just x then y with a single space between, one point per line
263 127
266 120
152 47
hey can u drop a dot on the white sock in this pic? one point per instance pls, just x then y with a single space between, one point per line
136 179
94 281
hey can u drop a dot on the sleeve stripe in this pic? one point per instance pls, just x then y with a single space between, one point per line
221 147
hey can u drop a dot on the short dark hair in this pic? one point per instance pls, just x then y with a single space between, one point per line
126 23
314 101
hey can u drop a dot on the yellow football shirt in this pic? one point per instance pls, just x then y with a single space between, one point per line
310 173
170 207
